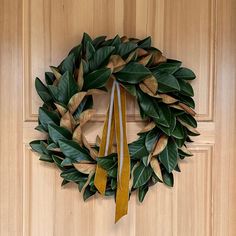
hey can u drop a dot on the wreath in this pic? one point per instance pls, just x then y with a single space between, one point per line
162 90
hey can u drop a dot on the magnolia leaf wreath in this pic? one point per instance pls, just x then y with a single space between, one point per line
162 90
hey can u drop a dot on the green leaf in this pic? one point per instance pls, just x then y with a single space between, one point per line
73 175
168 130
116 41
164 115
67 87
130 88
54 91
45 157
57 160
96 79
100 57
137 149
178 131
188 119
40 128
169 67
186 100
113 183
58 133
68 64
141 175
184 73
48 117
90 50
180 142
186 88
76 51
150 139
147 104
133 73
49 78
86 38
37 146
74 151
145 43
98 41
168 157
125 48
142 192
167 83
43 91
107 162
112 172
168 178
88 193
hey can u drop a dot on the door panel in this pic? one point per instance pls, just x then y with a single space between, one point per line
36 34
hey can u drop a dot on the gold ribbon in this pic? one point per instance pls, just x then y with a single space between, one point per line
117 123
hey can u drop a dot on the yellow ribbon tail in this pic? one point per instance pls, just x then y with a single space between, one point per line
122 193
100 179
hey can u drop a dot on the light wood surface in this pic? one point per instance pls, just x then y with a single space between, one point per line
38 33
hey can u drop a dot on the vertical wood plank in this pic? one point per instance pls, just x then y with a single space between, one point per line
11 118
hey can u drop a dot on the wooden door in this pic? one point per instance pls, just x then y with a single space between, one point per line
38 33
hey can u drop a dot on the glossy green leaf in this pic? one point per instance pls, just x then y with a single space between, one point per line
137 149
98 41
186 100
178 132
186 88
45 157
168 130
108 162
168 157
142 191
54 91
58 133
188 119
100 57
73 175
90 50
76 51
145 43
96 79
133 73
74 151
147 104
49 78
67 87
184 73
43 91
169 67
48 117
130 88
68 64
58 160
86 38
141 175
168 178
125 48
167 83
37 146
88 193
150 139
116 41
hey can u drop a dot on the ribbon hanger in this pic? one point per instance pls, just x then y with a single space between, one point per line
116 122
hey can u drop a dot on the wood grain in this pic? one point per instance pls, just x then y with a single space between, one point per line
11 123
37 33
